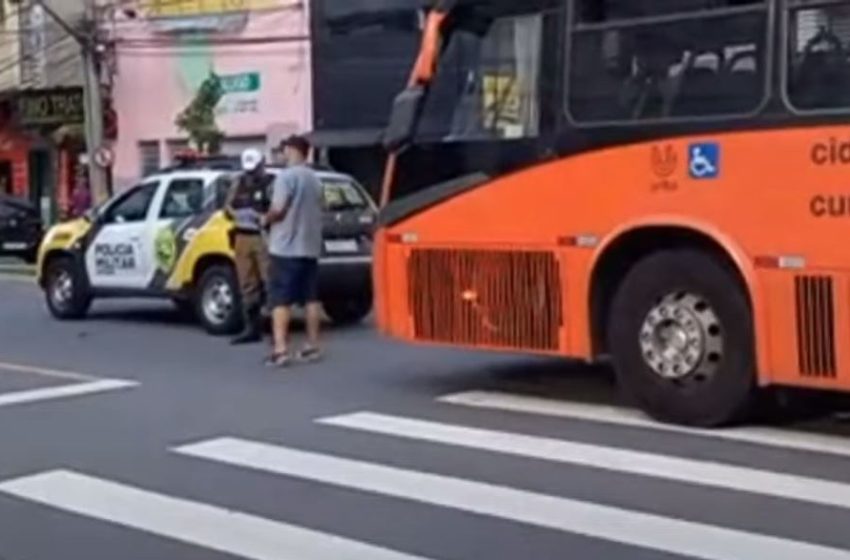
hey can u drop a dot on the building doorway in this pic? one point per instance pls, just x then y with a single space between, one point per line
42 184
7 186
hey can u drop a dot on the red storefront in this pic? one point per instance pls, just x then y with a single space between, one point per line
40 146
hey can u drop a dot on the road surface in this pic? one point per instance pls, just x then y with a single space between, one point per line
133 435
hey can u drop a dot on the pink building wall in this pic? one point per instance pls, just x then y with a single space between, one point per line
158 72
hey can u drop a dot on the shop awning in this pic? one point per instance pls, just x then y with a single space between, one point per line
347 10
347 138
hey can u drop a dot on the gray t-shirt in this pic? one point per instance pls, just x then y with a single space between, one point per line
300 232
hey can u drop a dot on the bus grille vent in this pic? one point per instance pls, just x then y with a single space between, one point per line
815 326
500 299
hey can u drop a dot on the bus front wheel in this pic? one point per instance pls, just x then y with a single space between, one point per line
681 337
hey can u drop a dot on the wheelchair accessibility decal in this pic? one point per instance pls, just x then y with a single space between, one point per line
704 160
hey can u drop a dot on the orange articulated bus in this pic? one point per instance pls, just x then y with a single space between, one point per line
665 183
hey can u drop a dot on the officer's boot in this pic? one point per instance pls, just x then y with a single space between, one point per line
251 332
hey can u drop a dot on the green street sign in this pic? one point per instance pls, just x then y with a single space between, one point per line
247 82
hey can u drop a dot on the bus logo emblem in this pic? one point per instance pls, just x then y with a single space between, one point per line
664 161
704 160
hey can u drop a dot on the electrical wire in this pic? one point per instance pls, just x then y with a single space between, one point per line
11 63
23 58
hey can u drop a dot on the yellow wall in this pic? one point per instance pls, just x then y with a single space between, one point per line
173 8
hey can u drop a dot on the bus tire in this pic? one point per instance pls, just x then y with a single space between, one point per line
681 338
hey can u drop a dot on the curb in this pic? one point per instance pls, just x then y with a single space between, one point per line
17 270
20 278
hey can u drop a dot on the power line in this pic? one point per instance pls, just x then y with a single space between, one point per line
60 21
21 59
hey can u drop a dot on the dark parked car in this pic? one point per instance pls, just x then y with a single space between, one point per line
20 228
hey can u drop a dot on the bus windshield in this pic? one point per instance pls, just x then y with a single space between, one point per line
487 84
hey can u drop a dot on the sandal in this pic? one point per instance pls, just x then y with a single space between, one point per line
309 355
279 360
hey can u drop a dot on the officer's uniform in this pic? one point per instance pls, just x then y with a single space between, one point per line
249 201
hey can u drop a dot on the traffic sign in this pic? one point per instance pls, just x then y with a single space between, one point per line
103 157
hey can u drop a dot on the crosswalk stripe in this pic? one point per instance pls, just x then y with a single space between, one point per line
767 437
199 524
604 522
65 391
704 473
45 372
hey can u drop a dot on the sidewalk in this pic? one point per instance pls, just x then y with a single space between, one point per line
11 266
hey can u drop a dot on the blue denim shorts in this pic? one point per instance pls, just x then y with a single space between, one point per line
293 281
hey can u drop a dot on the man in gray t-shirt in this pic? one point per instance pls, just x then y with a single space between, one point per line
299 233
295 245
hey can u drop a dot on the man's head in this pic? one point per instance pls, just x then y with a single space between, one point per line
253 161
296 150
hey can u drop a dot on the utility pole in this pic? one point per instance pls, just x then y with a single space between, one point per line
94 106
87 39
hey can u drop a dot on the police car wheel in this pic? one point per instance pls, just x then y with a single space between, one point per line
348 311
65 290
217 300
681 338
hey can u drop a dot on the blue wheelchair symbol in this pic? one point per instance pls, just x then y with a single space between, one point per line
704 160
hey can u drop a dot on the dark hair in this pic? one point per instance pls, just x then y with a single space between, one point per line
300 143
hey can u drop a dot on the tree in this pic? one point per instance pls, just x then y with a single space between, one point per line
198 118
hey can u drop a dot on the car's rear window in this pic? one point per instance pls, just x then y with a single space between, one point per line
343 194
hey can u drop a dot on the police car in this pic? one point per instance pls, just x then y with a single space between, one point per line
168 237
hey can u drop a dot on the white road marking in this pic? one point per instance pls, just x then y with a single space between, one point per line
706 473
45 372
195 523
603 522
65 391
768 437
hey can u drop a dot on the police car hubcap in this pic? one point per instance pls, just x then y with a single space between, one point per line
63 288
218 301
681 338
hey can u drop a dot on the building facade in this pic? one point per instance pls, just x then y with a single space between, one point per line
165 50
41 103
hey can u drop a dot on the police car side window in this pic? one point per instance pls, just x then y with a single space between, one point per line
134 206
184 198
221 189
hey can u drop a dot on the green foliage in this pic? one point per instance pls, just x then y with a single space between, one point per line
198 118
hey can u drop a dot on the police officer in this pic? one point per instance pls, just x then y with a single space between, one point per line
248 201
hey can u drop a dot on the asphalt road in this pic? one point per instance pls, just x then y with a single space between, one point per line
135 436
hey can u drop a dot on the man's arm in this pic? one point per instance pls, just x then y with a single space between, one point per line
229 211
281 200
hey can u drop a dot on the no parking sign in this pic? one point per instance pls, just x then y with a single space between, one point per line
103 157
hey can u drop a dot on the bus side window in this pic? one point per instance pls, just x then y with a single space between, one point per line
818 66
629 62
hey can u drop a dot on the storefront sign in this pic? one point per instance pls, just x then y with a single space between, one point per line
240 83
191 8
185 16
51 107
241 93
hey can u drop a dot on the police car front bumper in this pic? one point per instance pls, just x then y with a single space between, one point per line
345 277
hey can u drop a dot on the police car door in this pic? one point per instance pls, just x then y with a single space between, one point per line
179 213
116 257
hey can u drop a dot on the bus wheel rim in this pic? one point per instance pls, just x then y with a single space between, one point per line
681 338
